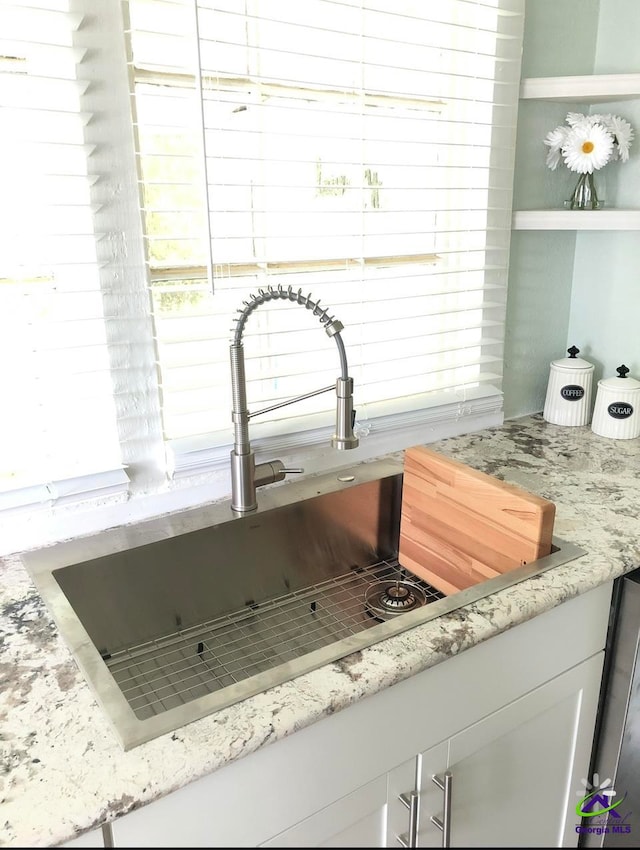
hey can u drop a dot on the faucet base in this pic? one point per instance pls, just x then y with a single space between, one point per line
343 443
246 477
243 490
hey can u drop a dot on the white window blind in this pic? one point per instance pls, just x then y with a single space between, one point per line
58 433
360 151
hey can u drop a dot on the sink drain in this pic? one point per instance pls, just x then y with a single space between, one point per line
387 599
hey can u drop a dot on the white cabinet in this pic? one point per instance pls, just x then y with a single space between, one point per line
588 89
514 775
511 780
512 719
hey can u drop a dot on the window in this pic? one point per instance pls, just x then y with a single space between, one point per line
358 150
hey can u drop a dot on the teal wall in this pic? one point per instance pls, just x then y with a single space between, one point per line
568 288
605 297
560 37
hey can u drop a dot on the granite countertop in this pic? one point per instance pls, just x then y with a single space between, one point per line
64 771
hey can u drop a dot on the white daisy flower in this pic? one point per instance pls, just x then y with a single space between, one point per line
576 118
555 139
586 143
622 133
587 148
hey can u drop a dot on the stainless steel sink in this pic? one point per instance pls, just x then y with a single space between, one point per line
175 618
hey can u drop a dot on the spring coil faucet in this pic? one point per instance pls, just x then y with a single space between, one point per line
246 476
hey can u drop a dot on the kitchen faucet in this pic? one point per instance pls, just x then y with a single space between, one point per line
246 476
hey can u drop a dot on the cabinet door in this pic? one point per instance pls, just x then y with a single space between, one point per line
357 820
516 773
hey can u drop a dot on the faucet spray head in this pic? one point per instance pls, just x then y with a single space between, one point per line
344 437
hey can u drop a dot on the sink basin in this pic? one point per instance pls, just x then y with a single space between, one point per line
175 618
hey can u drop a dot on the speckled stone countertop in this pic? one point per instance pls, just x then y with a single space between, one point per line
64 771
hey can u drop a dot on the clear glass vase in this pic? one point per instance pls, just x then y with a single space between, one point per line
585 195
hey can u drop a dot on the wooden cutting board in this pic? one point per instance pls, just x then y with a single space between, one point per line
460 526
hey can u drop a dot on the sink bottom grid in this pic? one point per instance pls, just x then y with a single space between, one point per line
174 669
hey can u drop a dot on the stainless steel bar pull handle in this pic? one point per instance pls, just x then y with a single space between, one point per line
445 784
412 802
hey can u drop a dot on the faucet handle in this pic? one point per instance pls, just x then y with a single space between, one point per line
272 471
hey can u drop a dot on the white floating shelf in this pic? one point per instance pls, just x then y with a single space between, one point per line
592 88
576 220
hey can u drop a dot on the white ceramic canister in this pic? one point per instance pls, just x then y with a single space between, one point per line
617 410
568 400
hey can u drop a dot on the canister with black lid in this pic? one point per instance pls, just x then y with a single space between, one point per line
617 410
568 400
